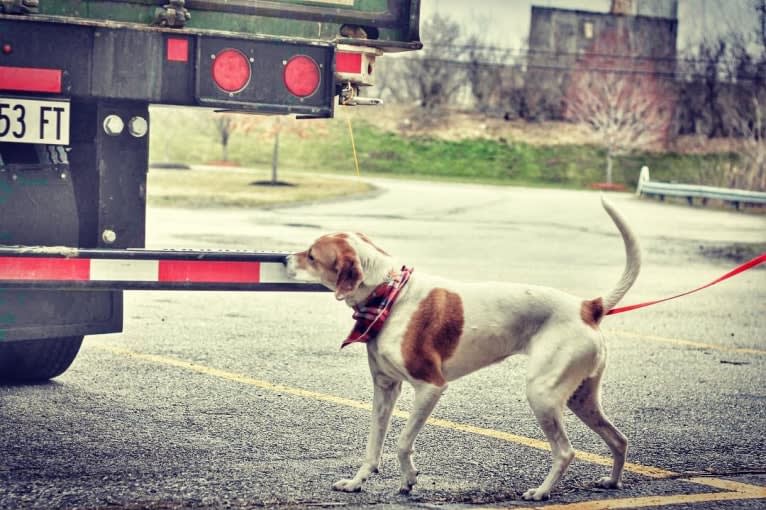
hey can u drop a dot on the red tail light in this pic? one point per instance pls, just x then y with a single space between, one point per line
231 70
302 76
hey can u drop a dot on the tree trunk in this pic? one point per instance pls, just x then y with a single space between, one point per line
275 158
609 162
225 144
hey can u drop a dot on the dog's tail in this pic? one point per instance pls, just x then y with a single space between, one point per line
632 255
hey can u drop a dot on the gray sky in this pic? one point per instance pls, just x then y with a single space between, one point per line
506 22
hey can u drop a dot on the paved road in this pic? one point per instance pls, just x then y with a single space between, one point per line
244 400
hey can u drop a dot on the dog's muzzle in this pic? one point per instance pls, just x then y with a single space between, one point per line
289 263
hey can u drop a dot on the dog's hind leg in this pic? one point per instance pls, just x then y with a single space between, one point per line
385 394
586 404
556 368
426 398
547 409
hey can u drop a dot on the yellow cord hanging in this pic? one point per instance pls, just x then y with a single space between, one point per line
353 147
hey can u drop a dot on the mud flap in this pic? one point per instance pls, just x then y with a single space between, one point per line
44 200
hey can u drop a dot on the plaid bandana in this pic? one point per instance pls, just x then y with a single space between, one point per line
371 316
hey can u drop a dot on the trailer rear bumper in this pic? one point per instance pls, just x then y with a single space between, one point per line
60 268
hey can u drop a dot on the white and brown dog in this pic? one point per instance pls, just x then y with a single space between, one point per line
439 330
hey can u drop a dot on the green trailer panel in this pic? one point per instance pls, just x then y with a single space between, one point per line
392 24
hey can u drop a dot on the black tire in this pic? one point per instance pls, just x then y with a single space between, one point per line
37 360
34 360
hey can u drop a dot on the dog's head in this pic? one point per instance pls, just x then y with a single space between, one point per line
341 262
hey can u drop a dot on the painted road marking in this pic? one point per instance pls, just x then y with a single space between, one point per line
735 491
732 490
688 343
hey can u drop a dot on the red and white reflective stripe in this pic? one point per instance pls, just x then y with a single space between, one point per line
26 268
30 79
121 270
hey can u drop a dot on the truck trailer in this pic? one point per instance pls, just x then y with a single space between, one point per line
76 81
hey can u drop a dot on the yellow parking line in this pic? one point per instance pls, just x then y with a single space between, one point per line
734 490
593 458
690 343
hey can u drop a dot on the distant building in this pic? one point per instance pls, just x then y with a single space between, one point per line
635 37
667 9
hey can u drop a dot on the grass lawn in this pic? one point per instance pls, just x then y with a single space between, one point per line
225 187
324 145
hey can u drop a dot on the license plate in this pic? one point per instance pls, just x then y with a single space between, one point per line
34 121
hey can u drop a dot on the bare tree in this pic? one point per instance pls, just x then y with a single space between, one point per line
226 124
624 101
722 73
703 71
223 127
744 107
302 129
544 86
491 75
753 153
756 146
429 78
626 113
723 94
275 127
711 55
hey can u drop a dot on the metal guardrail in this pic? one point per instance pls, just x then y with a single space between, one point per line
736 197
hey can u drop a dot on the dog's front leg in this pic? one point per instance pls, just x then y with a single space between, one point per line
385 393
426 398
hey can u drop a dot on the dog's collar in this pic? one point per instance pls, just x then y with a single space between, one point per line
371 315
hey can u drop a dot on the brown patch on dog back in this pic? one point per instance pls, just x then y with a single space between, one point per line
432 335
591 312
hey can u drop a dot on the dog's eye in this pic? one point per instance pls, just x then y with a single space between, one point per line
311 257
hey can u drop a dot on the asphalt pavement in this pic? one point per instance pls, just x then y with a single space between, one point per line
244 400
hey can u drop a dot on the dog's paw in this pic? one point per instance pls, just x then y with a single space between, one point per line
535 495
347 486
607 483
409 480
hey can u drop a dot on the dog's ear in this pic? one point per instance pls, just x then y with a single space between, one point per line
349 275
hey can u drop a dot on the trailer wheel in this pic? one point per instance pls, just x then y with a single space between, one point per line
37 360
33 176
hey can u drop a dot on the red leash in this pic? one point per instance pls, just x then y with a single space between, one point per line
760 259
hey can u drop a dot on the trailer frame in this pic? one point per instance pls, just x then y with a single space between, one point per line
69 268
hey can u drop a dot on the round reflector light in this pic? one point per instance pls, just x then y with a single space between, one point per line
231 70
301 76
